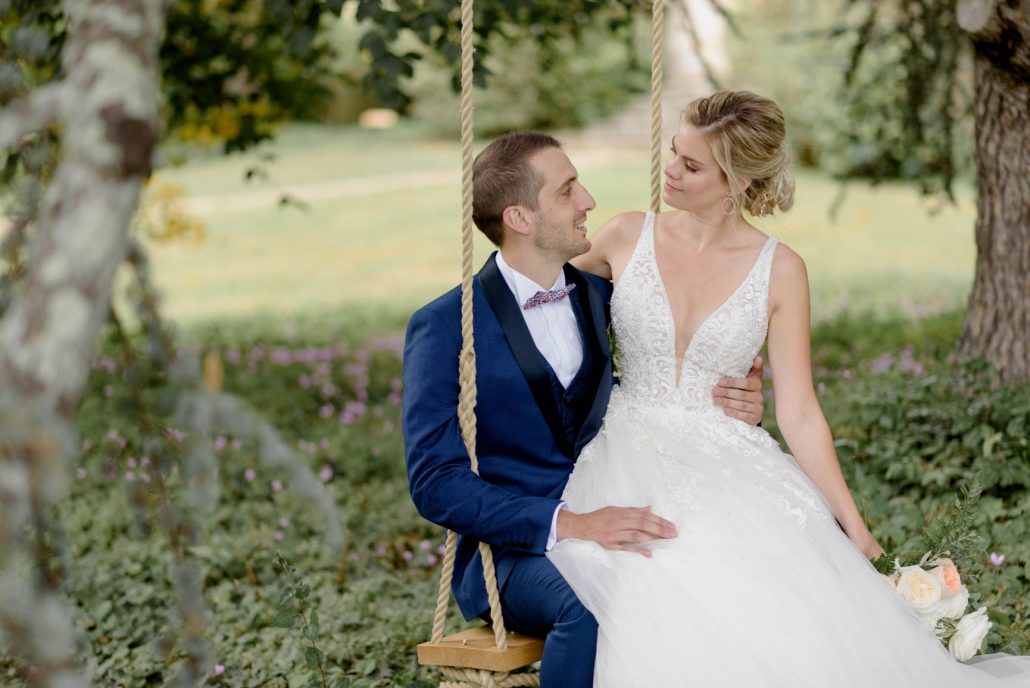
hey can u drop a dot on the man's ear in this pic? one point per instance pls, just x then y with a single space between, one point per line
517 219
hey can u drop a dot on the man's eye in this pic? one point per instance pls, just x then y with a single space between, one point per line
567 192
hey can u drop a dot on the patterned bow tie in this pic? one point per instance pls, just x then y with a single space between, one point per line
542 297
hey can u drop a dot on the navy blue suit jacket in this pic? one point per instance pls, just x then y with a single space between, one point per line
525 457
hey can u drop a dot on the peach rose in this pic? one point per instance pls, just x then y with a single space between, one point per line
947 574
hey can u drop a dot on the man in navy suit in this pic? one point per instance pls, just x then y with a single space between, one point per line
544 376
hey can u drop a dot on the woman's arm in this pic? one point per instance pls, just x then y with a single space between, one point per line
798 413
611 246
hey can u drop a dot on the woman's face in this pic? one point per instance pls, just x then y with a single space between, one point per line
693 179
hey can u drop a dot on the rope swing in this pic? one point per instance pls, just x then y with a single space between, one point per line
476 658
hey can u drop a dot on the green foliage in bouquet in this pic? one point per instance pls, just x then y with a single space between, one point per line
954 536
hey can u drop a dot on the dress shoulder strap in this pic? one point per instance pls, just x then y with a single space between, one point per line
763 266
643 251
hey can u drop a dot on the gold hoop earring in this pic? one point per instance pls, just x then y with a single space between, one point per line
733 205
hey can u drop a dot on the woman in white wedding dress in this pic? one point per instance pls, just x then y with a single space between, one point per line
760 587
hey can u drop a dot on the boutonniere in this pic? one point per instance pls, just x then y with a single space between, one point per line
613 348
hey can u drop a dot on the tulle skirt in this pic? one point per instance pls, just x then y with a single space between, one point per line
760 588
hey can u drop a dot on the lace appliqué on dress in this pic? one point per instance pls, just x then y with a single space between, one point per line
725 344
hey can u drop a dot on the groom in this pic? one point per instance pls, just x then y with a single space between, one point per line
544 375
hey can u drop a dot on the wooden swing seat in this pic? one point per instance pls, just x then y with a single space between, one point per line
475 649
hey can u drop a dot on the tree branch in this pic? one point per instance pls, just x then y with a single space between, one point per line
30 114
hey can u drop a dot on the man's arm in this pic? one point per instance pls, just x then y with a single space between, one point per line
741 397
440 477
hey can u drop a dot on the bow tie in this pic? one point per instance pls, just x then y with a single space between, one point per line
542 297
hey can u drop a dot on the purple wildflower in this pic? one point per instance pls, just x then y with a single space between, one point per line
326 474
279 535
997 559
284 522
277 486
249 474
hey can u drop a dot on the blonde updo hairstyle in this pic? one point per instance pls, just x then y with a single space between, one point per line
745 132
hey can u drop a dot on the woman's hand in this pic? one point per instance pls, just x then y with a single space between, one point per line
865 541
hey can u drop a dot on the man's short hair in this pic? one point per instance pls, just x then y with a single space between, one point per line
502 177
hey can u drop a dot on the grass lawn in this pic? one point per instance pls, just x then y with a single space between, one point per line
380 227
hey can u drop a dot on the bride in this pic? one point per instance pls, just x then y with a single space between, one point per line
767 581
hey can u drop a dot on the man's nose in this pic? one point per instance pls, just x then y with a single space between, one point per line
587 201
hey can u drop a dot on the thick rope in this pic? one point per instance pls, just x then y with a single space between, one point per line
467 361
469 678
475 678
657 31
444 596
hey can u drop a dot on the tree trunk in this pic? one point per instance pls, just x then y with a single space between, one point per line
997 325
107 108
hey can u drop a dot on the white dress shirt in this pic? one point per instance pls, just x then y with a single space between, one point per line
556 334
552 325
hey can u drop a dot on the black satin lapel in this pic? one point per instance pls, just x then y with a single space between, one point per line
531 362
591 309
593 313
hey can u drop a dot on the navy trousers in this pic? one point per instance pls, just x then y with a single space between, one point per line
538 602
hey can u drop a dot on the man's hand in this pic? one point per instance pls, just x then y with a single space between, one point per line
616 528
741 397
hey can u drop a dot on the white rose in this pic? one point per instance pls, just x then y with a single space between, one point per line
953 607
969 634
919 589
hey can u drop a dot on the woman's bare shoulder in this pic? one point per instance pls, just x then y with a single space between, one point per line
622 227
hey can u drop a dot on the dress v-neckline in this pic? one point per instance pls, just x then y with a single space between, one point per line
679 359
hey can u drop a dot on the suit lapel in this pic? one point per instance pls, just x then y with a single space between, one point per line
591 309
588 305
530 361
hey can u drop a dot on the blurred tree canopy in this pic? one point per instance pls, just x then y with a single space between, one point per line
230 69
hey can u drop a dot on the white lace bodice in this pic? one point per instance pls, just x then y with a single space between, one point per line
725 344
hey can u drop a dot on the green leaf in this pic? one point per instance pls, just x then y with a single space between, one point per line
313 657
286 617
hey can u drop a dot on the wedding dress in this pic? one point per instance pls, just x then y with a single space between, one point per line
760 588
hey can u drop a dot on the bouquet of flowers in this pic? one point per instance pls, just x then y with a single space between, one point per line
933 587
934 590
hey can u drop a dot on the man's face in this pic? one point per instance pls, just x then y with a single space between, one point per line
559 222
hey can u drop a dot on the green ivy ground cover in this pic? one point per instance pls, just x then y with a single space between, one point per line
911 425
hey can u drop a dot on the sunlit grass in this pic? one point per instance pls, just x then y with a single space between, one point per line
397 244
